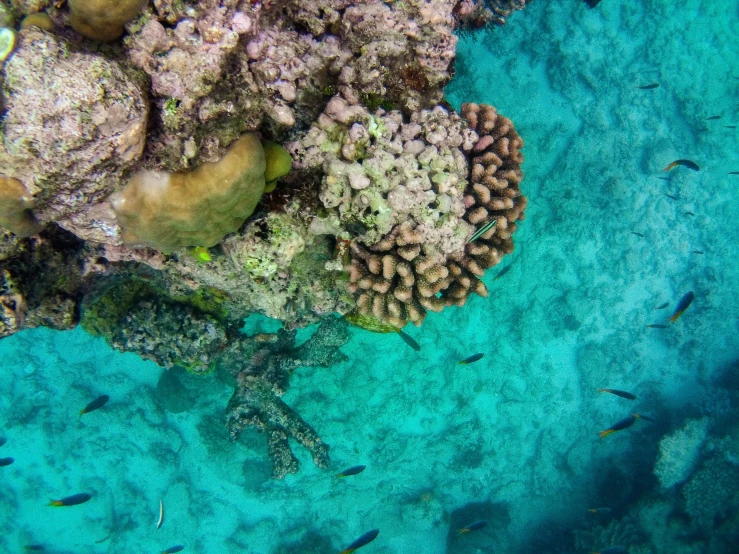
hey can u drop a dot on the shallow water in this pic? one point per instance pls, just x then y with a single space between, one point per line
513 438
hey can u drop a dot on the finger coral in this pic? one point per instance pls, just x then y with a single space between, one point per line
167 211
412 192
102 19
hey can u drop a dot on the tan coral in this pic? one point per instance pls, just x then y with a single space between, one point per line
168 211
15 204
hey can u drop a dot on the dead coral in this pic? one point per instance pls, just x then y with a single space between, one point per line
73 125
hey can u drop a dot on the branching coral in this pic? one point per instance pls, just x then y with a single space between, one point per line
168 211
135 314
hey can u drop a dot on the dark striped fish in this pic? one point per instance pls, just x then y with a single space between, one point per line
73 500
649 87
682 305
96 404
408 340
364 540
621 393
354 470
472 359
656 326
685 163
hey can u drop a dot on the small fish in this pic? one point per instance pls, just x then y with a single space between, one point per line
201 254
697 252
173 549
6 461
682 305
612 550
625 423
502 272
685 163
36 547
365 539
105 538
354 470
472 527
592 3
663 178
160 521
656 326
98 403
482 230
73 500
472 359
689 213
713 118
668 195
649 87
408 340
621 393
733 173
637 234
600 511
730 126
662 306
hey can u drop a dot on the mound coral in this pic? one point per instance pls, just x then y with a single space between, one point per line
74 125
15 204
412 193
168 211
102 19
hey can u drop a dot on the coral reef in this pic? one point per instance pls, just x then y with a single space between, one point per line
401 188
42 279
73 124
167 211
142 315
478 13
102 19
679 452
713 491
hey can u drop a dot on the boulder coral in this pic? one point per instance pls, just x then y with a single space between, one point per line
102 19
74 125
168 211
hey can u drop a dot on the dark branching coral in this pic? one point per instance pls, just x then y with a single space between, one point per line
137 314
41 281
398 278
256 401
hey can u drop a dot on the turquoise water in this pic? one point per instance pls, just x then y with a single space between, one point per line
511 439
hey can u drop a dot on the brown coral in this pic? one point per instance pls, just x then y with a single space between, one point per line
400 277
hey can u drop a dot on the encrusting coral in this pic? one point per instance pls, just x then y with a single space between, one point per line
102 19
168 211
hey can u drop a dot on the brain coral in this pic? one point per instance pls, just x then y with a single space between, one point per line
411 192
